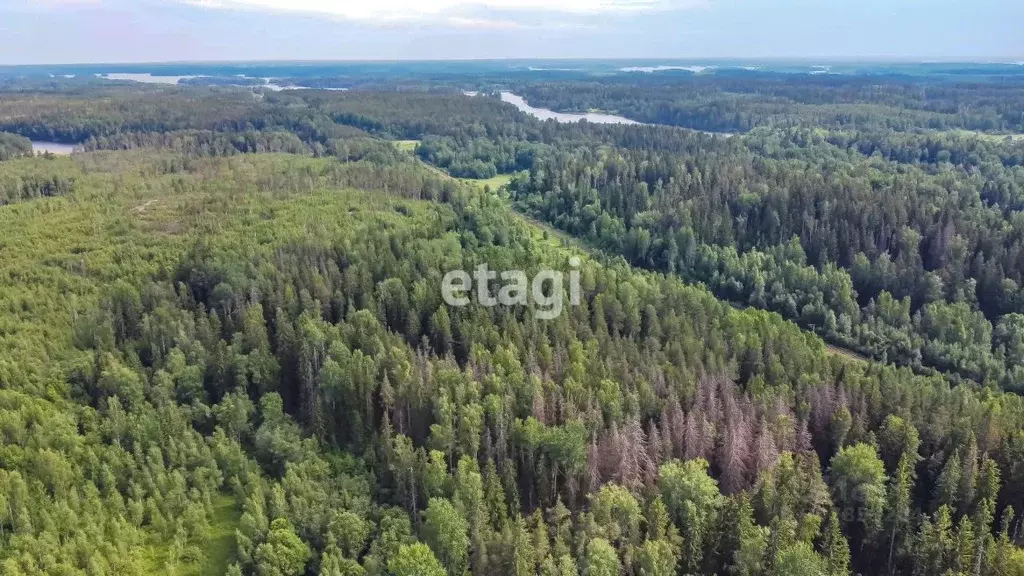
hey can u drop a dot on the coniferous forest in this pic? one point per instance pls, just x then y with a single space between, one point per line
798 350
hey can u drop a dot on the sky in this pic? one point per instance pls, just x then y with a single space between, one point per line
103 31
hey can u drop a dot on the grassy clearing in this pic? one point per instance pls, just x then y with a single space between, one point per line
990 137
220 546
495 183
846 353
407 145
210 557
541 231
552 237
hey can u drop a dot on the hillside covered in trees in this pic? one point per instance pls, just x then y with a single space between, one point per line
224 347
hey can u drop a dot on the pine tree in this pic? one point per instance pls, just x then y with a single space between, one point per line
999 557
748 556
693 500
735 451
968 478
898 506
446 531
560 520
963 559
935 547
948 483
656 558
835 549
523 552
988 492
601 559
494 498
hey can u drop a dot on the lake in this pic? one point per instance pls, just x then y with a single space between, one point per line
545 114
278 88
652 69
40 147
595 117
146 78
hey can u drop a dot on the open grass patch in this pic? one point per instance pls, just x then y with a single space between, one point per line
407 145
209 557
494 183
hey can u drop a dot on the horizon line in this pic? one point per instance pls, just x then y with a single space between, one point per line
873 59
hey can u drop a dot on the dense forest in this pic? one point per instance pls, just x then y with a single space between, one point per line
915 261
14 146
224 347
740 102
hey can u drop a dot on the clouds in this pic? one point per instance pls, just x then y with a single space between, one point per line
49 31
399 10
470 15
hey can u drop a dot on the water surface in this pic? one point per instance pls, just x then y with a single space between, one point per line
595 117
652 69
41 147
147 78
545 114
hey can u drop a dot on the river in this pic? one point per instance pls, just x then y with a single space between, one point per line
148 78
40 147
545 114
595 117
